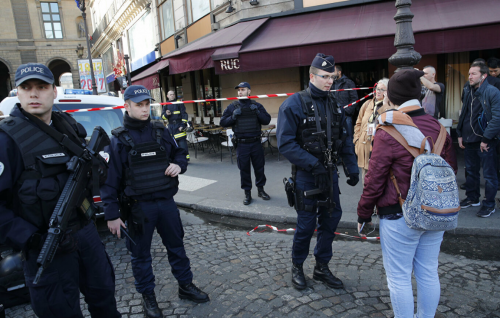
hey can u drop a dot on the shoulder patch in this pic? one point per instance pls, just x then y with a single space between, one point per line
1 168
105 155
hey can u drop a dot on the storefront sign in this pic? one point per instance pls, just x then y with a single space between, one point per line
227 65
86 78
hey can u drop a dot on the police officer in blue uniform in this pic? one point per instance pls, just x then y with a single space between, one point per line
246 117
311 134
144 162
177 121
32 176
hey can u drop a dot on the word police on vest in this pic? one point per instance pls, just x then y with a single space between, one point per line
148 154
53 155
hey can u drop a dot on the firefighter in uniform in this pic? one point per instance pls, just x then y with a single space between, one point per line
33 174
246 117
177 121
311 135
144 162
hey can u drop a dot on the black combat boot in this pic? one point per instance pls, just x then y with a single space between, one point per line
263 194
323 274
298 278
151 306
193 293
248 197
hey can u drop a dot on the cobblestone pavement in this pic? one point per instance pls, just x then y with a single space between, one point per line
249 276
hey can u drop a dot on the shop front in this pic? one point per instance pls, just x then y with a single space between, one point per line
274 54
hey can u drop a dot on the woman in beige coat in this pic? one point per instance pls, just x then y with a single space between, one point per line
365 126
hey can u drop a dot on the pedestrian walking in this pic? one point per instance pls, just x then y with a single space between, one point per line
311 134
478 131
37 143
404 250
366 125
246 116
144 164
177 121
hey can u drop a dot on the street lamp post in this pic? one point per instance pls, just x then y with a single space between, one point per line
405 56
84 16
126 58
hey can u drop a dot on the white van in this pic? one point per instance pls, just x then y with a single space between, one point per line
107 119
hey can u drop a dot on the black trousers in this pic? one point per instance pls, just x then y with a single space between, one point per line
251 153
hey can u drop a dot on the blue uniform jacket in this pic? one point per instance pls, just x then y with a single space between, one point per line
290 116
228 121
14 230
118 161
489 97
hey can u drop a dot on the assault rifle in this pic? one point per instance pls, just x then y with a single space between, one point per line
73 195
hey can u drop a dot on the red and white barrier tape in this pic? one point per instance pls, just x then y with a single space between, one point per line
292 231
222 99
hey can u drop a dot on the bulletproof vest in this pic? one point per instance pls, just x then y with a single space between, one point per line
307 135
248 121
147 162
45 172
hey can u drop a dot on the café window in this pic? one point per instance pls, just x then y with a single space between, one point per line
196 9
51 18
207 86
167 19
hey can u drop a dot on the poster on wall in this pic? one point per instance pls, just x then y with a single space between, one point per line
86 78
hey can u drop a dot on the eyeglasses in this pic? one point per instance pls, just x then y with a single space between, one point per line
326 77
381 90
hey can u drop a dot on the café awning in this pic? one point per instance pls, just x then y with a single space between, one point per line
366 32
150 78
198 54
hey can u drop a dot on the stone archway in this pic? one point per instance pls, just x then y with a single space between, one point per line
5 85
59 67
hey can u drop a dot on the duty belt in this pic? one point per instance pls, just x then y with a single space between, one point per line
248 140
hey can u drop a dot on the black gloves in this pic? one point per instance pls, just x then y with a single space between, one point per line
353 179
236 113
67 245
321 179
255 108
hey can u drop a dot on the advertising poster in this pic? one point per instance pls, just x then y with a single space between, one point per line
86 78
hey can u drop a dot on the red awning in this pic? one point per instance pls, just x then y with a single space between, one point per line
149 78
366 32
197 55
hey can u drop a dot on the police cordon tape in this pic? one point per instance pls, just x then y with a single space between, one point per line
224 99
264 227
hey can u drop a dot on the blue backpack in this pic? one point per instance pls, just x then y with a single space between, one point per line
432 203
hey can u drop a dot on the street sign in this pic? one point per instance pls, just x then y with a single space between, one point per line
85 77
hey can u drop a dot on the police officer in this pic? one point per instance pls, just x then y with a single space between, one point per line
177 121
246 117
144 162
32 176
300 118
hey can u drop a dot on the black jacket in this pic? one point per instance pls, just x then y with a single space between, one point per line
346 97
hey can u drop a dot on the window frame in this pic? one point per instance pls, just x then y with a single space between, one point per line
51 21
160 17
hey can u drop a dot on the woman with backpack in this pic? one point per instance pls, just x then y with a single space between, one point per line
404 249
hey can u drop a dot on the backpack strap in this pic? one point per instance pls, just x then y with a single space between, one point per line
440 141
399 138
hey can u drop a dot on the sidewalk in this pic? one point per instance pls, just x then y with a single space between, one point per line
210 185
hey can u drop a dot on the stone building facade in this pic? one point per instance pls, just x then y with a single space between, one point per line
39 31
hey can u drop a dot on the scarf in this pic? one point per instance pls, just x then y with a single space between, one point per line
404 125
